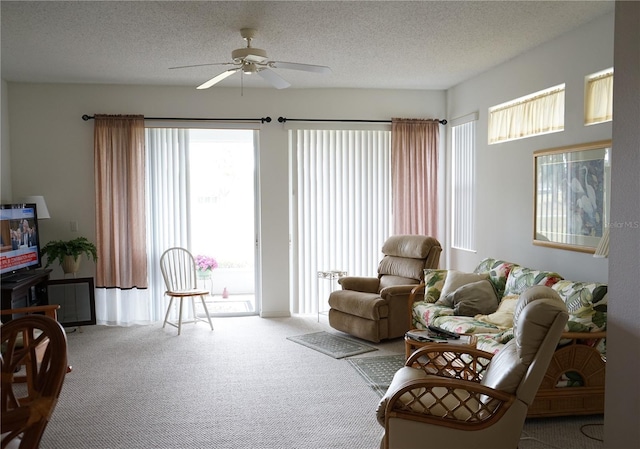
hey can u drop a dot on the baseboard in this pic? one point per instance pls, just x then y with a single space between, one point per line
275 314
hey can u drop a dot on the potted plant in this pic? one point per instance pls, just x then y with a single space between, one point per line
67 253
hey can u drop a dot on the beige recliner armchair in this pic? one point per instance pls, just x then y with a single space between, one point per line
377 308
466 398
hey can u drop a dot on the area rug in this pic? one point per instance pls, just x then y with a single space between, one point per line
378 371
332 345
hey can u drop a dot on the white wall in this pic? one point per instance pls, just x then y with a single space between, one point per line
504 174
622 401
52 148
5 160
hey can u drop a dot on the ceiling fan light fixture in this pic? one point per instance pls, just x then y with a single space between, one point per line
249 68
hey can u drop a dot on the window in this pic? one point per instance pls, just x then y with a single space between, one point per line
539 113
463 164
341 207
598 98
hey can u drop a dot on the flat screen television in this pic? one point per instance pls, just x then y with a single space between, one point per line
20 244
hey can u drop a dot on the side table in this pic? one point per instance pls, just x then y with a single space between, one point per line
410 344
330 275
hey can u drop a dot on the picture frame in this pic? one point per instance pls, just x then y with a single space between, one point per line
572 195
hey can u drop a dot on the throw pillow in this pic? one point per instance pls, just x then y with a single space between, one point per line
503 317
472 299
456 279
586 303
521 278
433 281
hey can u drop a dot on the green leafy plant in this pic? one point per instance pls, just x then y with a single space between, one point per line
56 250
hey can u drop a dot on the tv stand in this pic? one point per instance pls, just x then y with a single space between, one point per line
26 291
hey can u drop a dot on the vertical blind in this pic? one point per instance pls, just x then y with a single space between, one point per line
342 203
463 186
599 98
167 202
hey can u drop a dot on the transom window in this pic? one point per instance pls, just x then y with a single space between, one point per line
598 97
538 113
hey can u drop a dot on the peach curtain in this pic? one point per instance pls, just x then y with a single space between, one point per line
414 175
120 201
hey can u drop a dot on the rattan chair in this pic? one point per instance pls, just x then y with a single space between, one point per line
35 346
454 397
179 272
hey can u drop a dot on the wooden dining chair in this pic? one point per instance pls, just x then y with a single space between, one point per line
50 310
179 272
34 346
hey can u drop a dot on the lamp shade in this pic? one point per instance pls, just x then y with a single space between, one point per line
41 205
602 250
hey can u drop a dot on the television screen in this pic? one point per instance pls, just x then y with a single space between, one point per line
19 245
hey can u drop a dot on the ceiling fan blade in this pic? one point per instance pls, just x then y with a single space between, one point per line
272 77
201 65
297 66
217 79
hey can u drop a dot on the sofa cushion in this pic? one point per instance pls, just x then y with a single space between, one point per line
521 278
493 343
498 272
434 283
442 282
425 313
455 279
464 325
471 299
586 303
503 317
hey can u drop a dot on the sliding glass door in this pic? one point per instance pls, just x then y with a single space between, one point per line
202 196
222 210
340 208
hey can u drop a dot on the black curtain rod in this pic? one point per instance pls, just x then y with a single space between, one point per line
261 120
284 120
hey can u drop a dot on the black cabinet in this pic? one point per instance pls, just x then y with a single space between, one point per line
26 291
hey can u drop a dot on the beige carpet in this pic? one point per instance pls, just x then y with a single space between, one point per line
243 385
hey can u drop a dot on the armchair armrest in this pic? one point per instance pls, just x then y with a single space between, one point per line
415 292
581 337
360 284
447 360
454 403
397 290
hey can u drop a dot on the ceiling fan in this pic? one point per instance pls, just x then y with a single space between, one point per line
250 60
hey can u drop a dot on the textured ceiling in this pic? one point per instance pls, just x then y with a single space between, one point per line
367 44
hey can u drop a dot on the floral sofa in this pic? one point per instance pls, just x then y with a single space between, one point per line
482 302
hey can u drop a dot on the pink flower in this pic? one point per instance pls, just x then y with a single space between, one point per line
206 263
